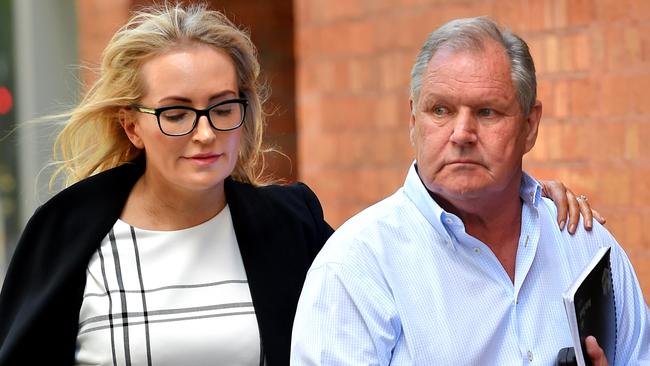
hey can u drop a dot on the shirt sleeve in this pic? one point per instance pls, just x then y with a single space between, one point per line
345 316
633 317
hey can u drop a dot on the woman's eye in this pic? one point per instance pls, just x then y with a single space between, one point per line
222 111
176 115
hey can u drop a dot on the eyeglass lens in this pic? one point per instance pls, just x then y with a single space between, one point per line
180 121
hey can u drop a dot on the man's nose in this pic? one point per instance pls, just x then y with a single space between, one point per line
465 128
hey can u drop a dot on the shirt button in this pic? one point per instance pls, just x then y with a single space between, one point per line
449 220
477 250
530 356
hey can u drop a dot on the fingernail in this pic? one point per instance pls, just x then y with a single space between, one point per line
562 225
572 229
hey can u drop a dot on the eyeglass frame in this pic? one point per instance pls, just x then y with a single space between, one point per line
199 113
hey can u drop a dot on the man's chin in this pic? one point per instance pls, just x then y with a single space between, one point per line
459 192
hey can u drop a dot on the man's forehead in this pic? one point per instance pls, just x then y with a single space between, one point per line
488 68
489 52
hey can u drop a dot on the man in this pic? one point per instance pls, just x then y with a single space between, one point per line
463 265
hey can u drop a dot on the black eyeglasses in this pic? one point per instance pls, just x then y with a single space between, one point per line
227 115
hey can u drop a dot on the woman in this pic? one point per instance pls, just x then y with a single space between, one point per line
169 248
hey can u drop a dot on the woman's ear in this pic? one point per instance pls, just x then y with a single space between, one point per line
130 125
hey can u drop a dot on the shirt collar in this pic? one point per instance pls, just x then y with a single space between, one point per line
419 195
530 192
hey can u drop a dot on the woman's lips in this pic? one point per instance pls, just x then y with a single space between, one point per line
204 159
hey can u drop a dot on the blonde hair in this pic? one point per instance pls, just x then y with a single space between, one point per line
93 140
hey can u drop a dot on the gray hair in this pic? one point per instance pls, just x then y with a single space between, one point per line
471 34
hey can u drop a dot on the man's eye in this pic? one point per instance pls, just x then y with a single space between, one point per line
485 112
439 110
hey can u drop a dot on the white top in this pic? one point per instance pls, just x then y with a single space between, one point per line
175 298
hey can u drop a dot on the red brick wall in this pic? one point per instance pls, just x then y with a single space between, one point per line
593 60
97 20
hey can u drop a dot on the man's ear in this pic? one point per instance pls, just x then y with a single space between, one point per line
129 124
412 131
532 125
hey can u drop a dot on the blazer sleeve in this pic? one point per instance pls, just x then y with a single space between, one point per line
324 230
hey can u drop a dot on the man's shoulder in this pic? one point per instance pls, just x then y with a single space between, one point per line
578 247
548 212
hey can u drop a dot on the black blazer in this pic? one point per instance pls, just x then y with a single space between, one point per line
280 229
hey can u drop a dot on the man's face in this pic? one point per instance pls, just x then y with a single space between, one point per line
467 128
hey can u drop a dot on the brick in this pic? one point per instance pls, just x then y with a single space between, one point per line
539 152
347 113
309 113
386 114
404 152
552 57
614 185
639 178
394 70
562 100
580 12
535 16
580 48
307 43
550 132
643 129
638 86
599 50
97 22
302 13
614 97
632 142
558 14
608 137
362 74
545 94
382 146
326 75
306 81
333 10
639 10
322 148
380 6
628 46
536 46
583 97
347 38
612 10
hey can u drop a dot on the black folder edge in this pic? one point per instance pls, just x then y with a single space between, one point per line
569 306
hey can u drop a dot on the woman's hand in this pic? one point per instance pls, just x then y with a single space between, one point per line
568 204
